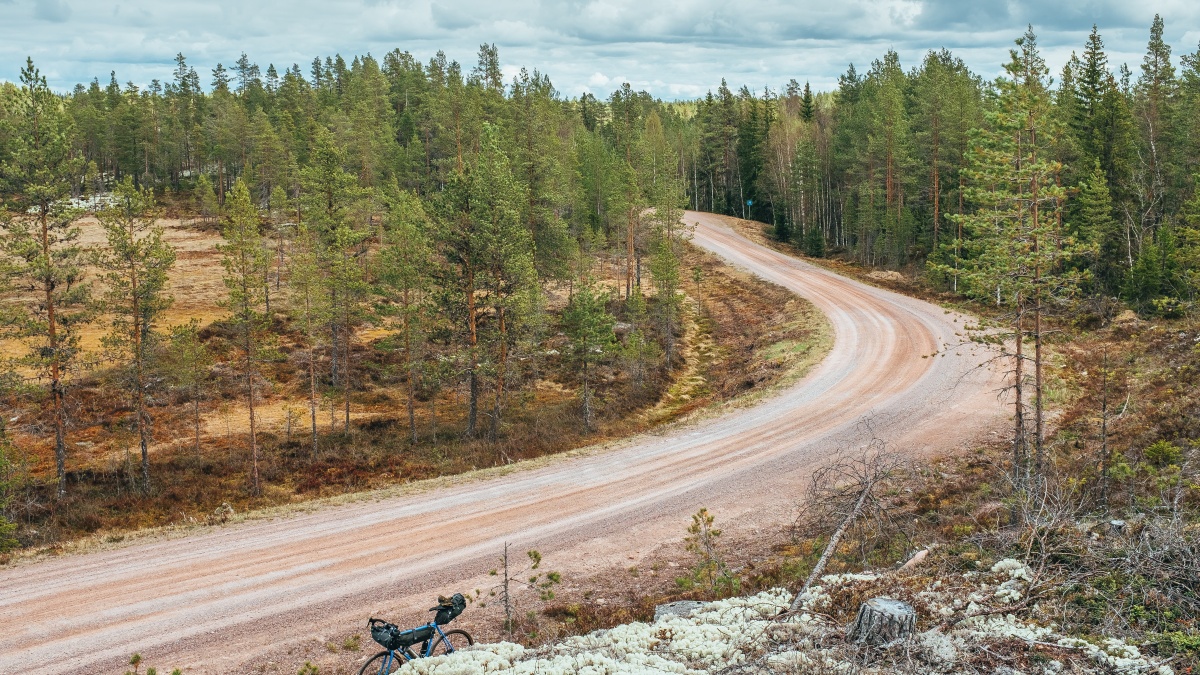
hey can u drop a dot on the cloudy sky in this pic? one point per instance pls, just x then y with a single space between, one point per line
672 48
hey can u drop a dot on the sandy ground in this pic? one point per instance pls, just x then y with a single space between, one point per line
238 599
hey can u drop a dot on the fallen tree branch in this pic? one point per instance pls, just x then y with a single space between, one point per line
832 545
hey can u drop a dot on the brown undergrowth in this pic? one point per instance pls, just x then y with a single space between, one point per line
742 334
1113 537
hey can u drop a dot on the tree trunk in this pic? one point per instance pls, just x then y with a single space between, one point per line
629 256
196 420
472 342
312 395
250 405
56 392
408 367
1019 410
500 374
882 620
139 379
347 335
831 547
587 400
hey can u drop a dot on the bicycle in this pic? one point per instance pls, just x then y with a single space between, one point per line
398 644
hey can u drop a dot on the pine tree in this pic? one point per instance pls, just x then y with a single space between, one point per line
461 280
38 175
942 91
507 255
589 327
330 194
1017 253
245 258
310 304
187 362
206 199
890 147
135 265
403 272
541 163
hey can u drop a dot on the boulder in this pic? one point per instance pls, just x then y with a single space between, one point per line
682 608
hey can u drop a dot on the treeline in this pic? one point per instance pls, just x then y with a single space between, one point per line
443 203
438 204
880 169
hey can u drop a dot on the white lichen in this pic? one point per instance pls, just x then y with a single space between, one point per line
748 630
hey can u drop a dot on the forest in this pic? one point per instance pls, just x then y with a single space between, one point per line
442 208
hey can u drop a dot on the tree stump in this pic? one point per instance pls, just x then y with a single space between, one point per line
882 620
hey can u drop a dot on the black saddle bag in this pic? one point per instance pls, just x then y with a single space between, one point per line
448 612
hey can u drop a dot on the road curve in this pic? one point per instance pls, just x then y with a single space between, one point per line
228 599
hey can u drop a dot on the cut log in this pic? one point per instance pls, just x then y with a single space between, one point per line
882 620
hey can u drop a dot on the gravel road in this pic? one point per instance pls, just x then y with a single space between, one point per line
229 599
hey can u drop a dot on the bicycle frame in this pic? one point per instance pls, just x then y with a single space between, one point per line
392 653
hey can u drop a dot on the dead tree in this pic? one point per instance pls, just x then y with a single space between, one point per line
845 491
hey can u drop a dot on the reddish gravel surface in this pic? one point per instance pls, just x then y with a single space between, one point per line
230 599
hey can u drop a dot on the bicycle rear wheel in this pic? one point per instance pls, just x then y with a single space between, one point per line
454 640
380 664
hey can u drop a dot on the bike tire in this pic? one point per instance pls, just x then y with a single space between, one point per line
375 665
454 640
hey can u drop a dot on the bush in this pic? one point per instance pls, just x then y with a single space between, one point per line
1163 453
1168 308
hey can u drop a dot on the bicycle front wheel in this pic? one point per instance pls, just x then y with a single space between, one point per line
454 640
381 664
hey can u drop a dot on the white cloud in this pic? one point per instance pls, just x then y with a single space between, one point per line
54 11
675 48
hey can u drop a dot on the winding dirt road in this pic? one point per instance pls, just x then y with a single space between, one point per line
227 600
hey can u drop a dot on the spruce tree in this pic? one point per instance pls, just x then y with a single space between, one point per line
1156 96
1090 89
1096 228
808 108
1189 240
